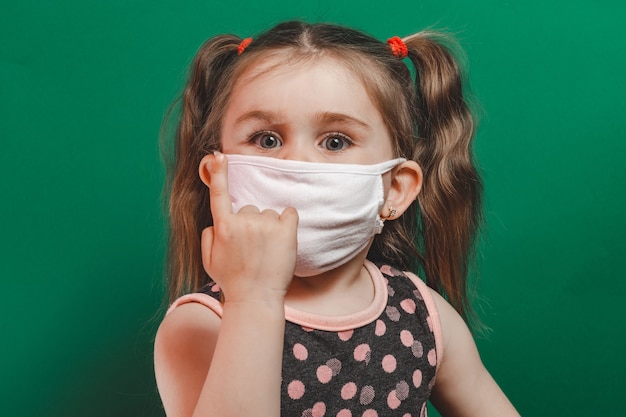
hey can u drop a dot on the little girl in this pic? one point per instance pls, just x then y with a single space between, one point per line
329 173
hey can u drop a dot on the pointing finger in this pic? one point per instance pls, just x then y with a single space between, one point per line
214 173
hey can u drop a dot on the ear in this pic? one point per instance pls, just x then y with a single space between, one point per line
204 170
406 183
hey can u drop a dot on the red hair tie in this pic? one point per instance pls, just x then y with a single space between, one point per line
243 45
398 47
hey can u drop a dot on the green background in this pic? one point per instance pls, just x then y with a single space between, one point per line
84 86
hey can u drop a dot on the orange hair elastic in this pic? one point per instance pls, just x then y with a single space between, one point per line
243 45
398 47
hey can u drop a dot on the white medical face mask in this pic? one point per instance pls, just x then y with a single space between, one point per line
338 205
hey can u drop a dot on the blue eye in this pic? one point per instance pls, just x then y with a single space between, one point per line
267 140
336 142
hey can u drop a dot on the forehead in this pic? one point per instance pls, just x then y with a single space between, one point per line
286 60
323 79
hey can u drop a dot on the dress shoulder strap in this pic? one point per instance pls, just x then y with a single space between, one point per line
201 298
431 306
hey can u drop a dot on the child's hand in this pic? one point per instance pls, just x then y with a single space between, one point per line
250 254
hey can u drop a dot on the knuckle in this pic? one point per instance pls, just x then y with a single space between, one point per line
248 209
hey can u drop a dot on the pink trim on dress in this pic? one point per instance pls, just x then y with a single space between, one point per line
341 323
431 306
327 323
204 299
351 321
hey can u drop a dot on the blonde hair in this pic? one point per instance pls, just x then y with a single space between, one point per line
428 119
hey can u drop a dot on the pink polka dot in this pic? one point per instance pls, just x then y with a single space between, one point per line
362 353
402 390
300 352
417 378
348 391
369 413
324 374
319 409
367 395
344 413
215 288
432 357
390 290
408 305
345 336
334 365
392 400
386 269
389 363
295 389
417 348
407 338
407 415
381 328
307 329
392 313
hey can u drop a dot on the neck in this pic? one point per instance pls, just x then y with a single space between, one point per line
345 290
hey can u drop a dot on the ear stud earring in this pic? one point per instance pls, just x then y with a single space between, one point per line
391 214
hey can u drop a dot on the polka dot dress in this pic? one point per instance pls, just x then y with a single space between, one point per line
380 363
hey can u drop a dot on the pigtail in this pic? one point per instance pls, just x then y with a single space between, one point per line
450 200
197 135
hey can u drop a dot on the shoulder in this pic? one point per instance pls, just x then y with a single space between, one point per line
455 332
183 349
463 386
191 319
186 322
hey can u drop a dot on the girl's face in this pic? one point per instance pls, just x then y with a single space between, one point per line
314 111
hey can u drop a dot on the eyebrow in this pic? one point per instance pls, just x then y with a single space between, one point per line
263 116
329 117
322 117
